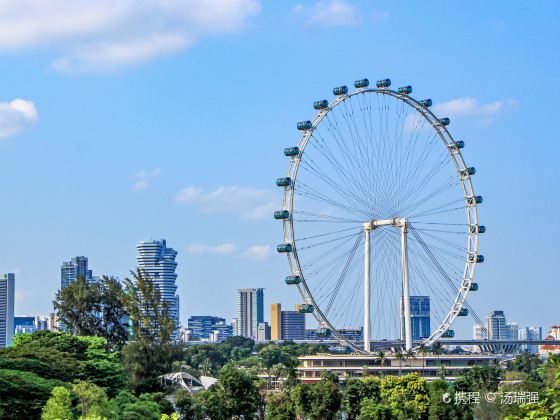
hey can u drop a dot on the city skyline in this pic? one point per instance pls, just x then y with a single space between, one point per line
168 146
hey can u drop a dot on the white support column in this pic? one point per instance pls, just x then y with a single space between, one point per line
367 279
406 291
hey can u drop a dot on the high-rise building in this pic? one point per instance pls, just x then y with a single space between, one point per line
7 293
512 331
292 325
275 322
24 324
496 326
480 332
158 262
250 311
420 316
201 326
71 270
221 332
263 331
530 333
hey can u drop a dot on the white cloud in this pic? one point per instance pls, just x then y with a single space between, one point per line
16 115
334 13
100 35
143 179
198 249
247 202
257 252
470 107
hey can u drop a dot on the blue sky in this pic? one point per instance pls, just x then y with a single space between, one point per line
167 120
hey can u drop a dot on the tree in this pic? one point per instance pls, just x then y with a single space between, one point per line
355 391
94 309
280 407
92 398
114 315
151 351
399 355
382 357
241 395
23 394
407 393
370 409
78 305
58 406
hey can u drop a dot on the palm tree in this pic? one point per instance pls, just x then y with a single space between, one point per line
423 351
399 355
382 357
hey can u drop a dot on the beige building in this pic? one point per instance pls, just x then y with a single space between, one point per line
275 324
429 367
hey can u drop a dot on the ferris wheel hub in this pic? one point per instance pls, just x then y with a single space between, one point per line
396 221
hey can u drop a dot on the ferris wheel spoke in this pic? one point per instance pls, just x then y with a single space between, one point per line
442 208
438 190
304 190
325 217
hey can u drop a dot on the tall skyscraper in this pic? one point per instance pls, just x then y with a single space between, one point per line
531 333
201 326
286 325
292 325
71 270
250 311
158 262
7 293
420 316
275 322
496 326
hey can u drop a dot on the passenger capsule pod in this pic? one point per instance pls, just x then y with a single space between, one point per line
448 334
457 145
444 121
474 287
284 182
305 308
323 332
291 151
281 214
304 125
293 280
340 90
385 83
405 90
426 103
362 83
476 258
477 229
321 104
468 171
463 312
284 248
477 199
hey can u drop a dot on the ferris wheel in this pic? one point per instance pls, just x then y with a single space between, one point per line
380 222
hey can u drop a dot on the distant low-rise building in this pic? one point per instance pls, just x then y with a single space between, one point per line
201 326
530 333
263 332
546 349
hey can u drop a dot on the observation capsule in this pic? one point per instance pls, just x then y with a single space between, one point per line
477 229
385 83
284 248
405 90
293 280
468 171
444 121
477 199
284 182
448 334
321 104
426 103
340 90
474 287
291 151
463 312
305 308
281 214
476 258
362 83
459 144
323 332
304 125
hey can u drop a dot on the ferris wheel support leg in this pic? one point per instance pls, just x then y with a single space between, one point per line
367 280
406 291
